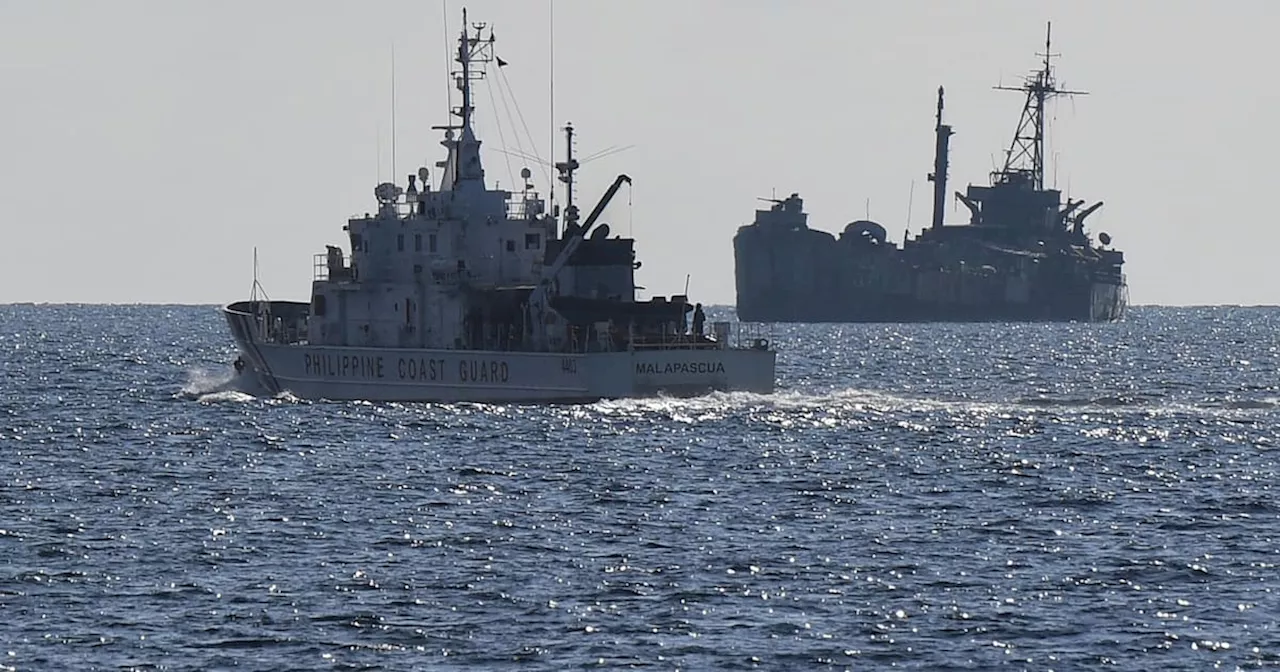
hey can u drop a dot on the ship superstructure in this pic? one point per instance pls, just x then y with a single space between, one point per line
1024 254
455 291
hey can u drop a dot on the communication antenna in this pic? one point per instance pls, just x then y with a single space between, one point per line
911 196
551 91
393 111
448 75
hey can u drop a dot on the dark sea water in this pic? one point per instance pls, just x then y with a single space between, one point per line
1041 497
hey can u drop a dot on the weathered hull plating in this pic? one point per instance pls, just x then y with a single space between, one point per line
405 374
789 279
1101 302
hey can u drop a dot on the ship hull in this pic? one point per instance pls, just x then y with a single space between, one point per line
455 375
1100 302
794 279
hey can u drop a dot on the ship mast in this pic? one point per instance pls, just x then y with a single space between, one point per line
1025 158
464 152
938 177
566 169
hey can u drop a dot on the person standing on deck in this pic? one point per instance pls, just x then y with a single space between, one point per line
699 318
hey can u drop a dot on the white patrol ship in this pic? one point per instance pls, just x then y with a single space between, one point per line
457 292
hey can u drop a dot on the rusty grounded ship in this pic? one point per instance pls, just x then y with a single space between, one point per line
1024 255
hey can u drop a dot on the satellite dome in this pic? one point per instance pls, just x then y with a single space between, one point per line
865 228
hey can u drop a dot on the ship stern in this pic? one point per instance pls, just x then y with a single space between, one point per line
728 362
1109 301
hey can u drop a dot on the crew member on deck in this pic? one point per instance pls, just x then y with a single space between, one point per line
698 320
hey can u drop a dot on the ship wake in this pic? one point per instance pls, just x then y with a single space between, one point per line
872 402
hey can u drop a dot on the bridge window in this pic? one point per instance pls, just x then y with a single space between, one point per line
532 241
417 242
317 305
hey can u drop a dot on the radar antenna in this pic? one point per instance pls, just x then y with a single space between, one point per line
1025 159
474 51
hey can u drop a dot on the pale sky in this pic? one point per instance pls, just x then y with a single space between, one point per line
148 146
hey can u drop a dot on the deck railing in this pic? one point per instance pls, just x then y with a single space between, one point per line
716 335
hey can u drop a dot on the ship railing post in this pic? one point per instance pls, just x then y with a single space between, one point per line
720 331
